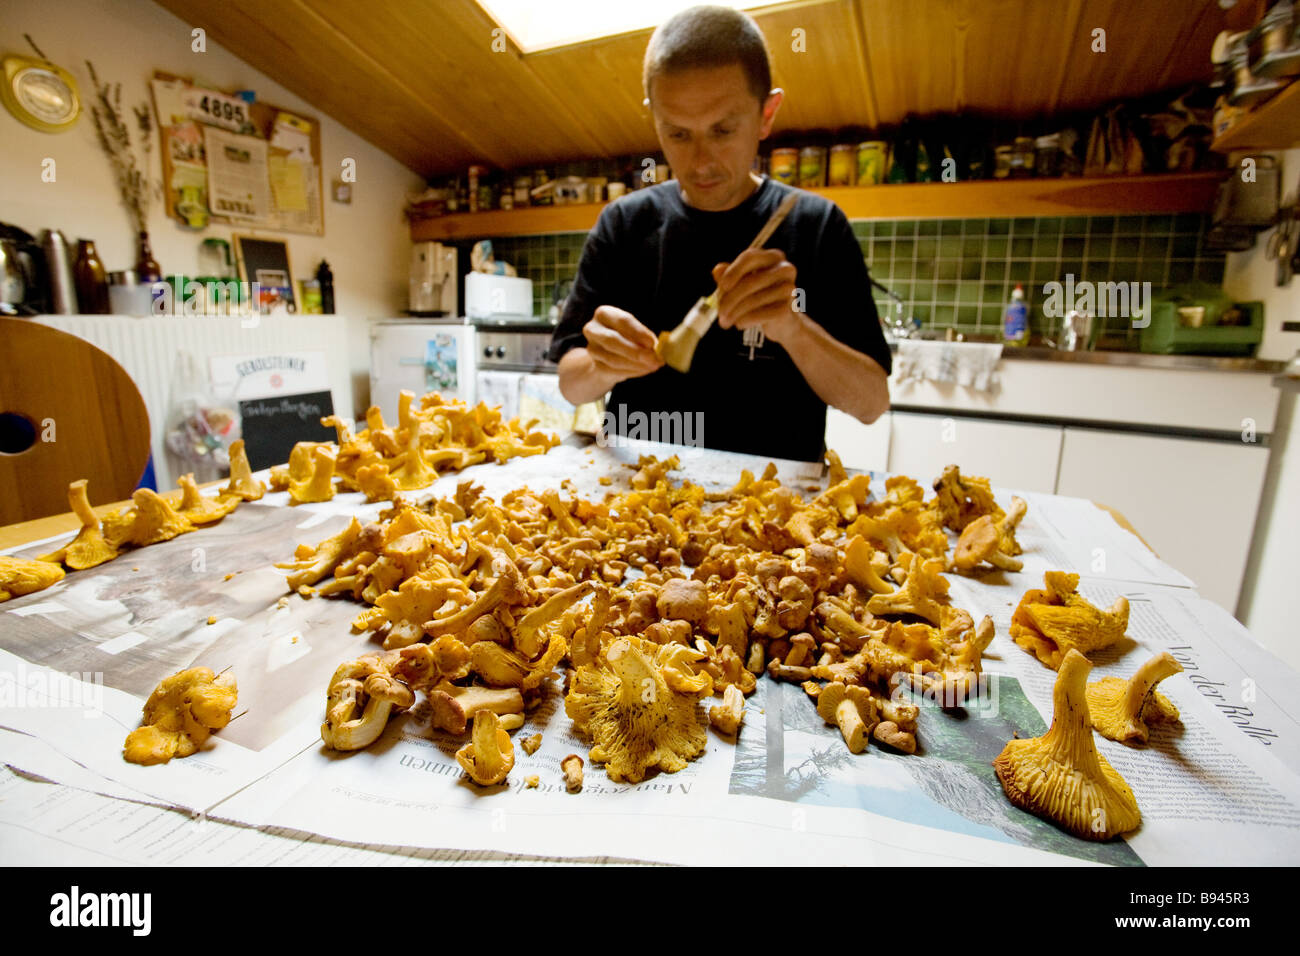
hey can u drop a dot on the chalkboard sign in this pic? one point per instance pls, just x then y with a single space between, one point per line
272 426
266 262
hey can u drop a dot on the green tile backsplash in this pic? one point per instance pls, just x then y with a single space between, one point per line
960 272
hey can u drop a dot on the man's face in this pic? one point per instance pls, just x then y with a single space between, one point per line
709 125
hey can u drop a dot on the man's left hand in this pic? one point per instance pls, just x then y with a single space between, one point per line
757 289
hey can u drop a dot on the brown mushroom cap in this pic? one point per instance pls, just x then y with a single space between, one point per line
977 541
453 707
681 599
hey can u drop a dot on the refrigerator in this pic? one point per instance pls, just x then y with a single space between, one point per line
422 356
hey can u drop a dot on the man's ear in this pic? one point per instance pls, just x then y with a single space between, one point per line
770 106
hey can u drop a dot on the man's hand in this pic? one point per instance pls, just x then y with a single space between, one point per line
757 289
619 345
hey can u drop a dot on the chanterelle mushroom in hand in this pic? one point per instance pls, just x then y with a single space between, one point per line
490 755
180 715
1060 776
1121 709
637 722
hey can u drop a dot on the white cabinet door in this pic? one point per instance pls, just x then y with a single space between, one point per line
1010 455
859 446
1193 501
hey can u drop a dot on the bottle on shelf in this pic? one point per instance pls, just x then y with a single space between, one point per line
1015 320
147 270
325 276
91 279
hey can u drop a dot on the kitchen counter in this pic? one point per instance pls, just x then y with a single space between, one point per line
1121 357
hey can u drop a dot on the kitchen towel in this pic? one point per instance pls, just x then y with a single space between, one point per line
972 364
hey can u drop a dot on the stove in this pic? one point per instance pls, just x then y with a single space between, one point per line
519 346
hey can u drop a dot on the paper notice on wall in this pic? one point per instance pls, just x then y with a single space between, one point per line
239 183
289 184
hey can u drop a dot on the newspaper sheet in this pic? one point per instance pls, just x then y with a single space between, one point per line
786 789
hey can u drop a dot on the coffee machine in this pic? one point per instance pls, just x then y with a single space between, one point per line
433 280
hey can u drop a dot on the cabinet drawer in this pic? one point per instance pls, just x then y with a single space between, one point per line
1010 455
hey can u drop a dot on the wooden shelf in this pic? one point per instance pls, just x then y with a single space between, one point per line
1274 124
1100 196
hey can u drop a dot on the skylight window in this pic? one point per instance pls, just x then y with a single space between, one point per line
542 26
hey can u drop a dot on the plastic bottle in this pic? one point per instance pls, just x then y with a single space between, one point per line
1015 320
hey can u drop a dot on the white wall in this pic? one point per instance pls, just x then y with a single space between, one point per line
1268 602
366 243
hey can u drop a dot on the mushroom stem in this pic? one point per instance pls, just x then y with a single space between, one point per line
1142 685
851 725
1069 739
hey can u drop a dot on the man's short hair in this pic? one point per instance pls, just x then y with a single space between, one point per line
709 36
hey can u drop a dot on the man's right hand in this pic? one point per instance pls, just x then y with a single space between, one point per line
619 345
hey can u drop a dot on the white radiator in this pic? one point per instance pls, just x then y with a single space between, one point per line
147 349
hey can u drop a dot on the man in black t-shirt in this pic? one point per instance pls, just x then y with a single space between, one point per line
797 327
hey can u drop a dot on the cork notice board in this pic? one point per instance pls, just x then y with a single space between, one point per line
265 169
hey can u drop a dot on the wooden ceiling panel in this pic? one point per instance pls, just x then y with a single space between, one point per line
421 81
603 81
823 70
288 43
504 113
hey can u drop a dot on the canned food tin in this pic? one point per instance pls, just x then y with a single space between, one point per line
476 175
812 167
785 166
1003 155
844 163
871 162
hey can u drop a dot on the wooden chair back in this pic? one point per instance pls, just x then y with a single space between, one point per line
82 414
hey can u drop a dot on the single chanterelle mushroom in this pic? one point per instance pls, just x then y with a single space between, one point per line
150 520
489 756
1050 622
453 707
200 509
180 715
960 499
924 592
636 720
311 565
852 710
859 570
88 548
572 769
241 482
727 716
681 599
362 695
320 485
1121 709
984 538
1060 776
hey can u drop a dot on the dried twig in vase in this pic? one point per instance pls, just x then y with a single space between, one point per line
115 139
